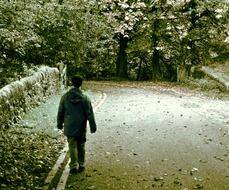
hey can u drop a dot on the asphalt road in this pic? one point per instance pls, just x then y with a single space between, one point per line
156 138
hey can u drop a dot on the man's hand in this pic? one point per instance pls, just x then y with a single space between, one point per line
60 126
93 130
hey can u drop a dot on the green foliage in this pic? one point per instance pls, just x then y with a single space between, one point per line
46 32
16 19
123 18
185 33
98 38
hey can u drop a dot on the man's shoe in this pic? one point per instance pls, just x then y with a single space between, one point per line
81 168
73 171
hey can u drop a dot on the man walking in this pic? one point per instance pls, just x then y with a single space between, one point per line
74 111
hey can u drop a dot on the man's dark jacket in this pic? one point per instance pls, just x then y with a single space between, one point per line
74 111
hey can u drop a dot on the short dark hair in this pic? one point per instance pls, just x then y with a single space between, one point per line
77 81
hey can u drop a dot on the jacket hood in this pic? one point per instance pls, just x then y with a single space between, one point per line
74 95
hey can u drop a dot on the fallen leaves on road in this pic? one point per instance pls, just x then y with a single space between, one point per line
26 157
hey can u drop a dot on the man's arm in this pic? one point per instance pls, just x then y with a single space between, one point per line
90 116
60 114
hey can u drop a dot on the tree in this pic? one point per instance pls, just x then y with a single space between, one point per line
126 38
16 25
183 33
123 17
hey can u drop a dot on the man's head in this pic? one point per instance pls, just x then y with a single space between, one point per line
77 81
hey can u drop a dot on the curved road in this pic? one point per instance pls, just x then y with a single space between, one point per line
156 139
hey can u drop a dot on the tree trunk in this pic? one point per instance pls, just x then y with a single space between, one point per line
139 69
181 73
155 66
121 65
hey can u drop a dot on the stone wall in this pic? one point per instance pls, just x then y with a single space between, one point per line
19 96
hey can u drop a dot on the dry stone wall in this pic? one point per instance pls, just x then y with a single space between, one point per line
19 96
